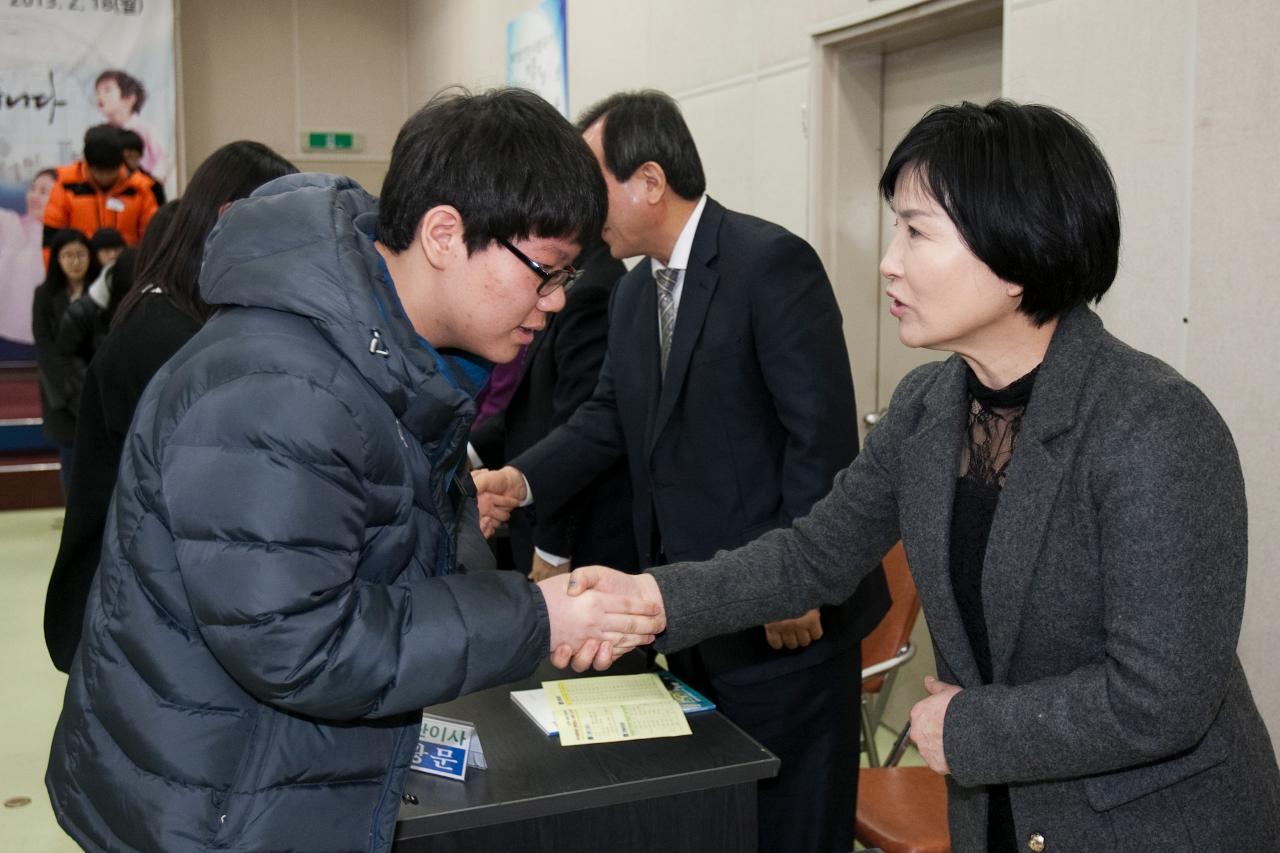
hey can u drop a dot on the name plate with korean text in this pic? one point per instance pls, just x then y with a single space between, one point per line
446 748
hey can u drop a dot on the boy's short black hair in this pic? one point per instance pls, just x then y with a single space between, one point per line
1029 192
106 238
510 164
102 147
648 126
130 140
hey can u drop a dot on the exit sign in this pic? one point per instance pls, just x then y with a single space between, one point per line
336 141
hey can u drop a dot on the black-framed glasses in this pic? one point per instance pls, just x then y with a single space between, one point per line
551 279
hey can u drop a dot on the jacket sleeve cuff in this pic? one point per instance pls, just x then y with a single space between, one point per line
966 741
553 559
507 627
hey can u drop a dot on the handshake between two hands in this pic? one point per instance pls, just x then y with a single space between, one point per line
623 611
597 614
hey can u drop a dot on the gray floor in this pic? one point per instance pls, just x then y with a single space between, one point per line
32 688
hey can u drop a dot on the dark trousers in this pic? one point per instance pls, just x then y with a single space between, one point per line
66 452
810 720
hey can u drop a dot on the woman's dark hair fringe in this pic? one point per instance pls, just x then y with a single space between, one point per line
55 278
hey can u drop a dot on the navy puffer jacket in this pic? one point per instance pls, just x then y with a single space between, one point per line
276 600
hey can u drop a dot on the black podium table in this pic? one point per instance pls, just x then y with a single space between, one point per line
694 793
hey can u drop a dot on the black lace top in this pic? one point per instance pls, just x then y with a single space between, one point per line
994 420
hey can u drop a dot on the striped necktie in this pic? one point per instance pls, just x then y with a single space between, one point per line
666 280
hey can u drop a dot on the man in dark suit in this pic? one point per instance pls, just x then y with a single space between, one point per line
557 375
727 389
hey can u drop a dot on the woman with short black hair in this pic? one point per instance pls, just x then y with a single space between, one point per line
1073 512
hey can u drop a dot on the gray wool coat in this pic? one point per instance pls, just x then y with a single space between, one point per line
1113 588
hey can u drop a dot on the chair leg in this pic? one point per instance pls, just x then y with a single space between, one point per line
869 734
880 702
899 747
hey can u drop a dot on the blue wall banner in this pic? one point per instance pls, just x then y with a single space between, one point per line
537 53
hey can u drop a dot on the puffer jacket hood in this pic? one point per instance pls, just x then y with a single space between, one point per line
318 226
278 595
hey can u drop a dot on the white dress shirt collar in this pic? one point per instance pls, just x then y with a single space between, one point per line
684 243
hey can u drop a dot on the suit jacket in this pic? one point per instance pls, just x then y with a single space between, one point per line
1113 590
753 419
558 374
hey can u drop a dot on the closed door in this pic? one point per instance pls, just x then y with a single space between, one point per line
961 68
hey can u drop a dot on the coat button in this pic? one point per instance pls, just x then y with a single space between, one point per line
1036 843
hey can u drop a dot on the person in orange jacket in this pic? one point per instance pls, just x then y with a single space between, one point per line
99 192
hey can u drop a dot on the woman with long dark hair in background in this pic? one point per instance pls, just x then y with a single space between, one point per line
160 313
71 267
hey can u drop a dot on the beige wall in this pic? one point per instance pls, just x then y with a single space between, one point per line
740 71
1234 305
267 69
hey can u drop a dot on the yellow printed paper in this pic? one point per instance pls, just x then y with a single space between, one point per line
613 708
605 690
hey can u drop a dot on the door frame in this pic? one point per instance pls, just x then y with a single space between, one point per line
846 94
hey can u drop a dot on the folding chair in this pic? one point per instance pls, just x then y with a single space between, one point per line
902 809
887 648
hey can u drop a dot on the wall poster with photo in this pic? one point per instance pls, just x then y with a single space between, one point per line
66 65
